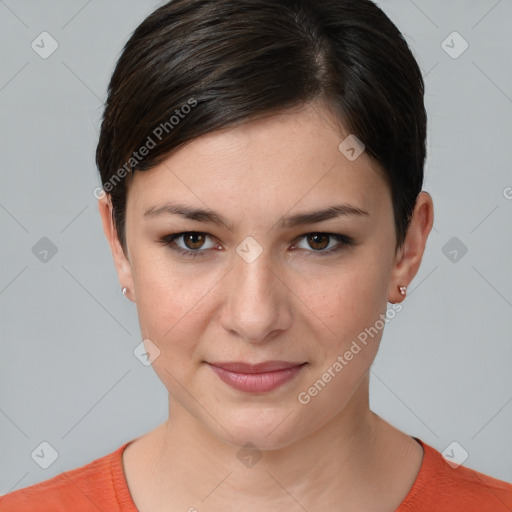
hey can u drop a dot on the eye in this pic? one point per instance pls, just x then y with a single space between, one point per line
192 243
325 243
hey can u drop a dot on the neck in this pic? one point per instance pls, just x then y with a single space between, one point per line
347 461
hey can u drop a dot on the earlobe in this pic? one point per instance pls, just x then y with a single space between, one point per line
409 256
403 292
122 264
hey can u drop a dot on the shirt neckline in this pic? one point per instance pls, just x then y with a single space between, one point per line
126 504
121 489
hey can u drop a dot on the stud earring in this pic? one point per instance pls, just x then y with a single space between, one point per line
124 291
403 290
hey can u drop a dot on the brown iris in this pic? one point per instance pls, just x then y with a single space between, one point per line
194 240
316 241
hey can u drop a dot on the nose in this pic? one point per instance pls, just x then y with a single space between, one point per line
257 306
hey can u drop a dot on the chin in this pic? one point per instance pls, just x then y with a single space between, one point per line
264 428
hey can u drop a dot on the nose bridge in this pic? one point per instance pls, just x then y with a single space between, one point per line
255 301
253 265
255 276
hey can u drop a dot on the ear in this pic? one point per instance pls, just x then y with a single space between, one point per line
122 264
408 257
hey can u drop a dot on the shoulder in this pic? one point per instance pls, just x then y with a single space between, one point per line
442 486
88 488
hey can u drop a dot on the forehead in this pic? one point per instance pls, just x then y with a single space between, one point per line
291 158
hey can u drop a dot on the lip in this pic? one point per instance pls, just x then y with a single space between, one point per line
256 378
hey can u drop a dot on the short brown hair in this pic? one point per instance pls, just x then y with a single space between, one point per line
231 61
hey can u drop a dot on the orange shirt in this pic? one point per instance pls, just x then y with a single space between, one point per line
101 486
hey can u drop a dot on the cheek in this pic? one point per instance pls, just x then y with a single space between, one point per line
348 300
172 319
171 305
352 308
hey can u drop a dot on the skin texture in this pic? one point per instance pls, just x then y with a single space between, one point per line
291 303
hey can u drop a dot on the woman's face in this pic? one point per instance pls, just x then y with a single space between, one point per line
259 279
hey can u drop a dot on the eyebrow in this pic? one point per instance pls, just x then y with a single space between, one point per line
206 215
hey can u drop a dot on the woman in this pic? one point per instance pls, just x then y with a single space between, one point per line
262 166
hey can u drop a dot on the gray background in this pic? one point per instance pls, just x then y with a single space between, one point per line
67 372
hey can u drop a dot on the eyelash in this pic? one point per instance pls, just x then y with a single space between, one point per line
168 240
